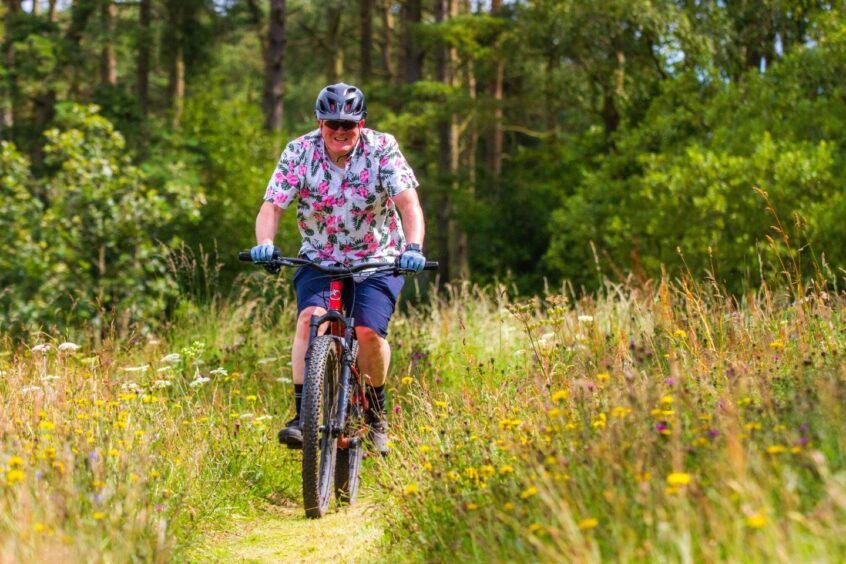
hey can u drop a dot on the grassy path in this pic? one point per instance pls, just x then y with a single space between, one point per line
284 534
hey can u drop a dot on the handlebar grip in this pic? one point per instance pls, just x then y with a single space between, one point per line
245 256
431 265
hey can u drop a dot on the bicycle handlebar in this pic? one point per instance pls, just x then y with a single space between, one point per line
278 261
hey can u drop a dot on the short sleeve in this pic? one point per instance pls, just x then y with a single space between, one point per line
395 173
287 178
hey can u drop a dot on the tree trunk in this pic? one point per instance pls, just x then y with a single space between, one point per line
81 11
7 111
366 45
176 84
145 37
495 144
387 39
335 59
108 63
36 7
273 69
51 10
412 54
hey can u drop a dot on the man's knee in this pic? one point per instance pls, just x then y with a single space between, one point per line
368 337
304 319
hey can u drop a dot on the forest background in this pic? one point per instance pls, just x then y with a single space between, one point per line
553 139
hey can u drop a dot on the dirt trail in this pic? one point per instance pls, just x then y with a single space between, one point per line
283 534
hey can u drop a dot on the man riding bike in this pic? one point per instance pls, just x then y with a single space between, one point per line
350 183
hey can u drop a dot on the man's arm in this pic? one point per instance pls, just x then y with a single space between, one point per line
413 224
267 222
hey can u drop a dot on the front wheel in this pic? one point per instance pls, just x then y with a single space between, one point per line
319 406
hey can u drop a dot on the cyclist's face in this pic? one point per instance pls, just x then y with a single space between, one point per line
339 141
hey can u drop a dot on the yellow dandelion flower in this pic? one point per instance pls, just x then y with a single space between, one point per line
667 400
487 470
529 492
506 469
603 376
554 412
560 395
535 528
424 449
99 515
472 506
777 344
15 461
114 452
427 467
776 449
453 475
508 506
678 479
795 450
154 474
756 521
587 524
407 380
441 404
46 426
752 426
13 476
620 412
680 334
251 398
411 489
40 527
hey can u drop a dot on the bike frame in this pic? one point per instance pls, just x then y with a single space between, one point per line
342 329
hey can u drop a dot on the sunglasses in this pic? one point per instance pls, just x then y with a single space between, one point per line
335 124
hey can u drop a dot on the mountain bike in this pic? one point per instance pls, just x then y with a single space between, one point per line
334 393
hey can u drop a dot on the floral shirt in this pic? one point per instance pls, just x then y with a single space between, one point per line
345 216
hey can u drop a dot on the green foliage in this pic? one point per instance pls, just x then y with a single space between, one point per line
101 242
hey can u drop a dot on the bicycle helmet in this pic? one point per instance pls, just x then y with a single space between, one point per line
340 101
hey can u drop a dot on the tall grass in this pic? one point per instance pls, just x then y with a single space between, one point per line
668 423
661 422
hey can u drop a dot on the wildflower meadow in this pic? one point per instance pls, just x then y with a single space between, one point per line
665 421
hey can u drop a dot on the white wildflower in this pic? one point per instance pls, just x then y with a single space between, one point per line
547 340
159 384
4 373
199 381
172 358
50 378
284 380
585 319
267 360
42 348
165 369
130 387
264 417
246 415
68 347
219 372
142 368
27 389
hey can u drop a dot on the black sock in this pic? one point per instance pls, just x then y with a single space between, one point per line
376 397
298 398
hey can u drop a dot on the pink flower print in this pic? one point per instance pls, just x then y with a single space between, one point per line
369 218
361 254
369 238
364 176
302 170
323 188
392 244
392 226
327 248
292 179
317 206
340 201
346 249
371 248
315 156
327 201
304 193
278 177
383 162
306 145
280 199
324 165
344 186
318 217
362 191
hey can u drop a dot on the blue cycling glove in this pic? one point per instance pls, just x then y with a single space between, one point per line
262 253
412 260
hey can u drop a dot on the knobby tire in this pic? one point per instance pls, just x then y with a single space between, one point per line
319 403
348 463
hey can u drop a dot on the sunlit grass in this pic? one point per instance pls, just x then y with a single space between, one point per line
666 422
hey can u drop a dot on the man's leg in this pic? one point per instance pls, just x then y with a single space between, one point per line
375 299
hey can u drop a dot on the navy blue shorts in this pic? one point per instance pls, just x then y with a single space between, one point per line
370 302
